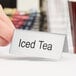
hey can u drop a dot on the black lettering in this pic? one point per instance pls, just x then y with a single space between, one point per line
27 44
33 44
23 44
41 43
19 42
44 46
49 47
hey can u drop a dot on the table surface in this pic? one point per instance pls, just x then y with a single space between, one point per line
10 66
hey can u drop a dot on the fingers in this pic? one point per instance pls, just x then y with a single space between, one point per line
1 10
5 31
4 18
6 28
3 42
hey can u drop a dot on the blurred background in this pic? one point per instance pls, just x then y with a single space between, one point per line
27 14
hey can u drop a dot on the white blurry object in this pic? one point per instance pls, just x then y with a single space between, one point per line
58 19
28 5
4 50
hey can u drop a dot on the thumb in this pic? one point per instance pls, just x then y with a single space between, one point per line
1 10
3 42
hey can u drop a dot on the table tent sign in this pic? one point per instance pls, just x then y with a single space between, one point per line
37 44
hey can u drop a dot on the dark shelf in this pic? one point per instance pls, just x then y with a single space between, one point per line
8 3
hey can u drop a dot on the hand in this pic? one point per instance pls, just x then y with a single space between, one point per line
6 28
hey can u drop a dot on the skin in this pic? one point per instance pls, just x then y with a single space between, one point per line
6 28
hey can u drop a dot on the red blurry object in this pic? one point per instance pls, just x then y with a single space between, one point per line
18 19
